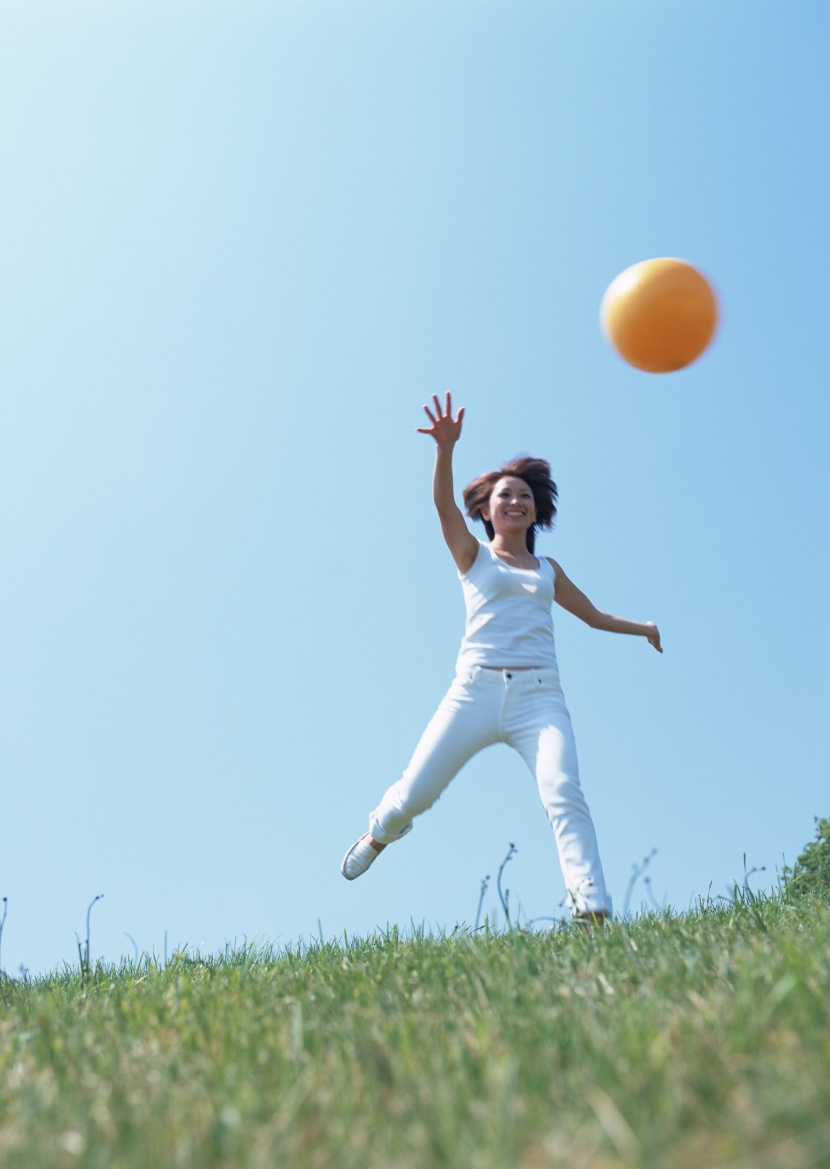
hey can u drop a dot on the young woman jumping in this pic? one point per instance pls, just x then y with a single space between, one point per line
506 687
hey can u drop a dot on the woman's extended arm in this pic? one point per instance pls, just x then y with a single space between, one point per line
571 598
459 539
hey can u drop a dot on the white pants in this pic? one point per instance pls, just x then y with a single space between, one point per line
526 709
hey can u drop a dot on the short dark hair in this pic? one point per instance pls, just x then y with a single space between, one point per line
536 473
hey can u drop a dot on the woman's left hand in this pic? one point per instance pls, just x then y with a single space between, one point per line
653 635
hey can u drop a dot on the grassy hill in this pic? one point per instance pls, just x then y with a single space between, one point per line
676 1042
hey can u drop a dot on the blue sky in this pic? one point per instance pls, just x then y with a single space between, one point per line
241 244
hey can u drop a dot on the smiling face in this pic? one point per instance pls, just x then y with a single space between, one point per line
511 507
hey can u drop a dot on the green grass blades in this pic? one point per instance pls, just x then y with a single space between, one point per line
697 1041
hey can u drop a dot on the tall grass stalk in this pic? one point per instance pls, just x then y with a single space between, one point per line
2 923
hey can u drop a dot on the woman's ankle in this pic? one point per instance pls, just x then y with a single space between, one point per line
592 917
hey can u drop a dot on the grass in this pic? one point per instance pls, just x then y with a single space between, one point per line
676 1042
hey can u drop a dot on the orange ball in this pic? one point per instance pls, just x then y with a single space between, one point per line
659 314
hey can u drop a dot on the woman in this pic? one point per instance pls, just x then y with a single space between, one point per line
506 687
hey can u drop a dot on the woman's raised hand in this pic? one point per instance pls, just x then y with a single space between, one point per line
444 429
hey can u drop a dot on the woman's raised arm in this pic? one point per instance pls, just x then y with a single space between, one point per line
446 431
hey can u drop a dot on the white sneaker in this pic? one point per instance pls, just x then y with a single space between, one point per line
358 859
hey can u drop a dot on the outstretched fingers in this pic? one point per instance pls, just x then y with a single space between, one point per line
446 412
443 427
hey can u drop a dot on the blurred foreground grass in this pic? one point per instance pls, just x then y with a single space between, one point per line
677 1042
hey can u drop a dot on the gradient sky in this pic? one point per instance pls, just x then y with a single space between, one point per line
241 244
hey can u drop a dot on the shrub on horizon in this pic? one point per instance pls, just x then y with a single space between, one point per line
811 872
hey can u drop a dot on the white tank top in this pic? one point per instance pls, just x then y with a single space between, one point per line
509 620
